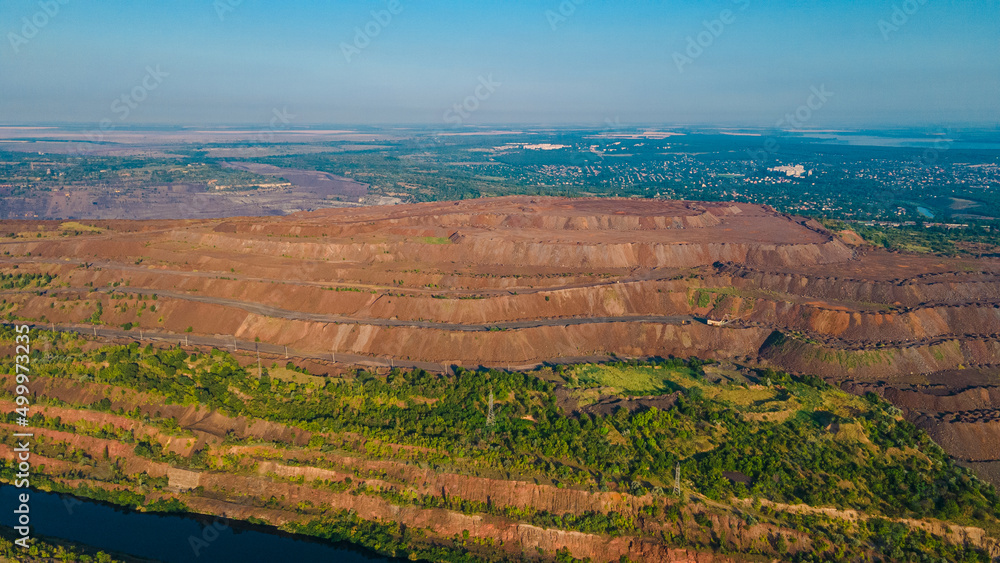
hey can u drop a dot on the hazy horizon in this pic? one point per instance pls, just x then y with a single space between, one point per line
732 63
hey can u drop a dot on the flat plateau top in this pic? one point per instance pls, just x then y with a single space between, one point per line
557 206
552 220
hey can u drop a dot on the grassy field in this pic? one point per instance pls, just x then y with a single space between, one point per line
435 240
286 374
75 226
646 380
751 398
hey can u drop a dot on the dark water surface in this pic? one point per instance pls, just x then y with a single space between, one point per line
169 538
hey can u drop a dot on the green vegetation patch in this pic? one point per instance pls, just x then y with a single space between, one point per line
22 281
648 380
50 549
827 448
79 227
932 240
435 240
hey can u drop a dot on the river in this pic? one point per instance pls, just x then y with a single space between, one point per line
170 538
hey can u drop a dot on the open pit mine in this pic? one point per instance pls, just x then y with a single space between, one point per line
511 283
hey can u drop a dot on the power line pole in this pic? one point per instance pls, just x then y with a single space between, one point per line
677 480
490 417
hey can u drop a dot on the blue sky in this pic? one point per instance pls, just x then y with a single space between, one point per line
550 62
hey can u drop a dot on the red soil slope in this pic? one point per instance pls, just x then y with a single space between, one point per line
521 280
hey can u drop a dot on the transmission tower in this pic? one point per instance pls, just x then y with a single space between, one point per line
490 419
677 480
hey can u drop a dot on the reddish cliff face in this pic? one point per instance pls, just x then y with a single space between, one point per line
959 409
522 280
408 277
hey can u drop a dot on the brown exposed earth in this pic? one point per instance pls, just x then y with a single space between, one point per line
522 280
290 191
